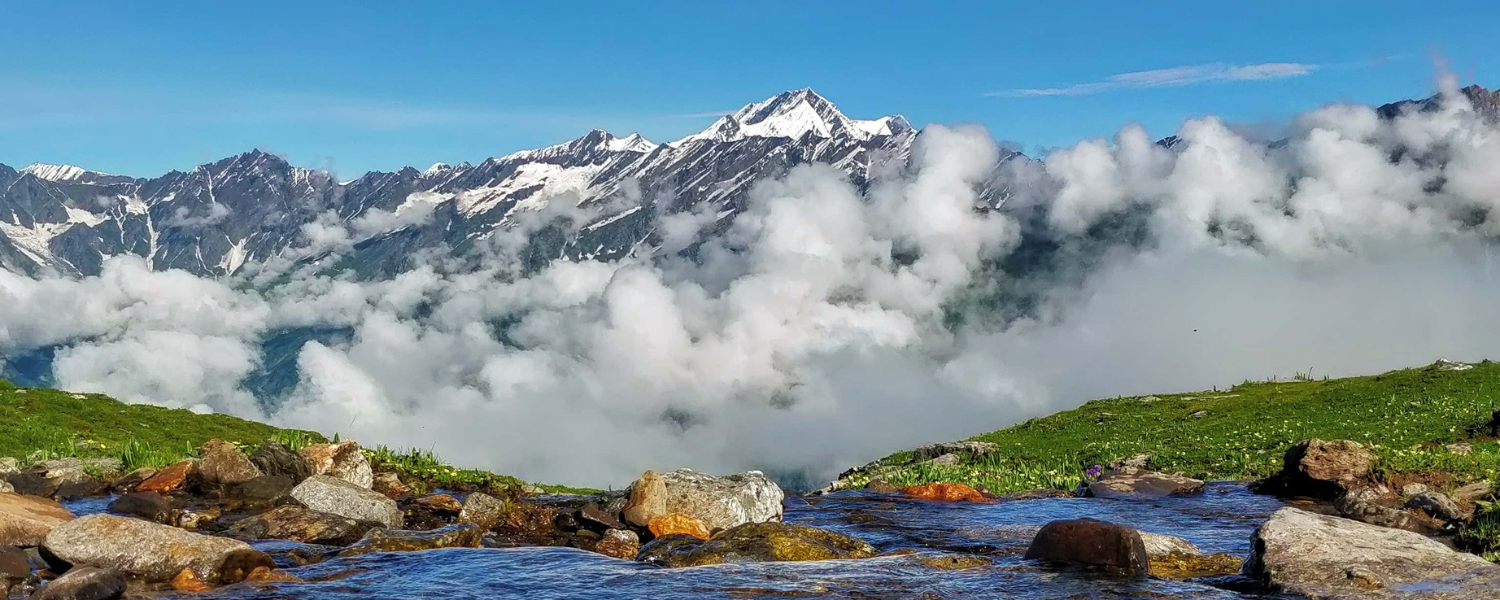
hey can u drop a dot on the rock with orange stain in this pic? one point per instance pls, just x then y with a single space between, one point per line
187 581
168 480
671 523
945 492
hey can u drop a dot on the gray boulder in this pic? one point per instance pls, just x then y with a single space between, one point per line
1135 484
1438 506
719 502
151 551
331 495
1321 556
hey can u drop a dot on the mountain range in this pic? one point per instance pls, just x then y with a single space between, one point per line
215 219
219 217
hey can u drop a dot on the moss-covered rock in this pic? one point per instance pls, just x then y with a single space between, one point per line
463 535
755 542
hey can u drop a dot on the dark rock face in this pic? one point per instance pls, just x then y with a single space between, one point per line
1320 469
1320 556
754 542
221 464
1093 543
300 524
463 535
84 583
275 459
150 506
264 491
593 517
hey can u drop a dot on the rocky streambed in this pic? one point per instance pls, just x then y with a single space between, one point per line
216 528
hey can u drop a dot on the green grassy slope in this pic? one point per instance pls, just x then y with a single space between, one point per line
1241 433
40 423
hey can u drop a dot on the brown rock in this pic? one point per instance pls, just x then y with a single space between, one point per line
677 523
127 482
648 499
390 484
595 518
266 575
483 510
1322 469
343 460
301 525
222 463
26 520
1090 542
619 543
168 480
881 486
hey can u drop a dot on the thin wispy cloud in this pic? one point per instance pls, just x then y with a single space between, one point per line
703 115
1172 77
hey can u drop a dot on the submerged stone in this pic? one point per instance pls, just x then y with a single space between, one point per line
755 542
463 535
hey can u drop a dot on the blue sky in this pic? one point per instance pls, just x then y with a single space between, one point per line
143 87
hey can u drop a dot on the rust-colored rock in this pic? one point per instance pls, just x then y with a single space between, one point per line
945 492
187 581
26 520
168 480
678 523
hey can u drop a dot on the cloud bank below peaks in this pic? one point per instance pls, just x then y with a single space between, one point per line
827 325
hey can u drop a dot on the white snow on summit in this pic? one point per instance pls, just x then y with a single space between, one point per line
792 115
57 172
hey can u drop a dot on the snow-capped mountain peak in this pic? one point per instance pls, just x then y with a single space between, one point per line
59 172
794 114
632 143
436 168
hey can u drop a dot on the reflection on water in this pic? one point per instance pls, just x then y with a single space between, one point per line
1221 520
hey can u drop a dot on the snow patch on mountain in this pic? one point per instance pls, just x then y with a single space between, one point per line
59 172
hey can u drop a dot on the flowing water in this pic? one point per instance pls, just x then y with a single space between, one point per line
1220 520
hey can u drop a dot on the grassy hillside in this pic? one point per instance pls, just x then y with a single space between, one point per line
1406 416
38 423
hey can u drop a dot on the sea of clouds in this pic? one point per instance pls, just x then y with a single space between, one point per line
828 326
